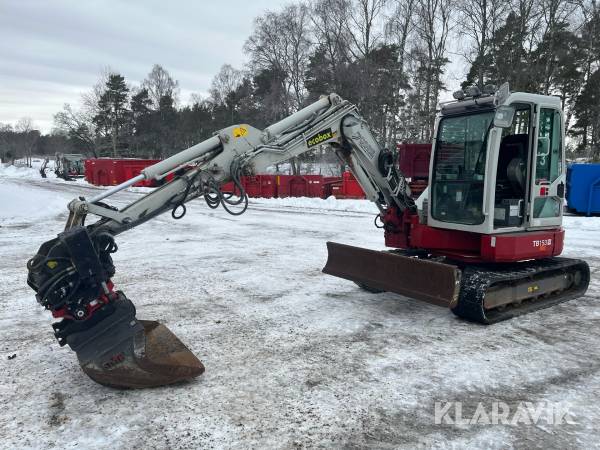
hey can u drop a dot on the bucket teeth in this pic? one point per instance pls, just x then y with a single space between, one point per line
123 352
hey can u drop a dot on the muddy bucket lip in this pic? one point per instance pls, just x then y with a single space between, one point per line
146 361
124 352
125 380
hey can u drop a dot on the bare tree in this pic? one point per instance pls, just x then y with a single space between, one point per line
25 127
365 32
225 82
91 99
529 14
160 84
298 48
479 20
76 126
399 30
331 29
280 42
554 13
432 25
400 25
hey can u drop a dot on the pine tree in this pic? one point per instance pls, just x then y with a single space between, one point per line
167 124
587 111
508 59
144 133
114 117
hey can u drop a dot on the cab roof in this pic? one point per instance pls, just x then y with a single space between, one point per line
490 102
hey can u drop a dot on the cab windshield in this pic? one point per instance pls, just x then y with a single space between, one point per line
459 168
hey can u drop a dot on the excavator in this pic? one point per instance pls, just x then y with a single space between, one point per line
69 166
482 240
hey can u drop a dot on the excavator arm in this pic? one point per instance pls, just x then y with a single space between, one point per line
242 149
72 273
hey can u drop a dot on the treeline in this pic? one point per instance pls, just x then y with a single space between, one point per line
390 57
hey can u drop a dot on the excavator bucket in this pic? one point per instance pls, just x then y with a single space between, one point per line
425 280
113 347
123 352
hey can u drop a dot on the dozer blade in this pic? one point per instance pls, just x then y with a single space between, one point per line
123 352
430 281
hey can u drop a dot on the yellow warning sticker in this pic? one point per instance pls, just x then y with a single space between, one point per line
240 132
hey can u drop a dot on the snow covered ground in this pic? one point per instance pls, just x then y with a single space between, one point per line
294 358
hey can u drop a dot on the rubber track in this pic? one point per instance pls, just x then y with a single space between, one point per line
476 280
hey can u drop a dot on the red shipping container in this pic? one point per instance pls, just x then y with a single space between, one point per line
110 172
88 165
285 185
132 169
299 186
259 186
314 185
413 160
350 187
266 186
229 187
328 184
337 190
102 172
417 187
252 186
346 187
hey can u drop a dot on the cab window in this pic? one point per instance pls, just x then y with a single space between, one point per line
459 168
548 161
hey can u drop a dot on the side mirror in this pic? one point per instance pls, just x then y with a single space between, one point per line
504 116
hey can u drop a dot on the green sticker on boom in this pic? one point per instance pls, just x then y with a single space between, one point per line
320 137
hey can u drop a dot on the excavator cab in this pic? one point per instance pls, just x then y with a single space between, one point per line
498 164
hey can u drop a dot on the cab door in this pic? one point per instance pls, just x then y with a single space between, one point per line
547 188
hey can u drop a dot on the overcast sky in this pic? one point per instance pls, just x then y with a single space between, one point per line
52 51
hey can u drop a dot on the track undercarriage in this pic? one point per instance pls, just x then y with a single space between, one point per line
484 293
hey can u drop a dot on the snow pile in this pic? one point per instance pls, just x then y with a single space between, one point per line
10 171
581 236
329 204
20 204
294 357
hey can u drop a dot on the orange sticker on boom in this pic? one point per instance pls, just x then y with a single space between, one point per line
240 132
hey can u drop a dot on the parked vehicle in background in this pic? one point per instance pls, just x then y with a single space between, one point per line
69 166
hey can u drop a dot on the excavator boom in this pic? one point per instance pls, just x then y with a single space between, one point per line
72 273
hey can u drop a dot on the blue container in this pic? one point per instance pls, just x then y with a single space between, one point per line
583 188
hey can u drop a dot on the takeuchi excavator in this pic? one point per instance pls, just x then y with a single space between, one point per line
482 240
